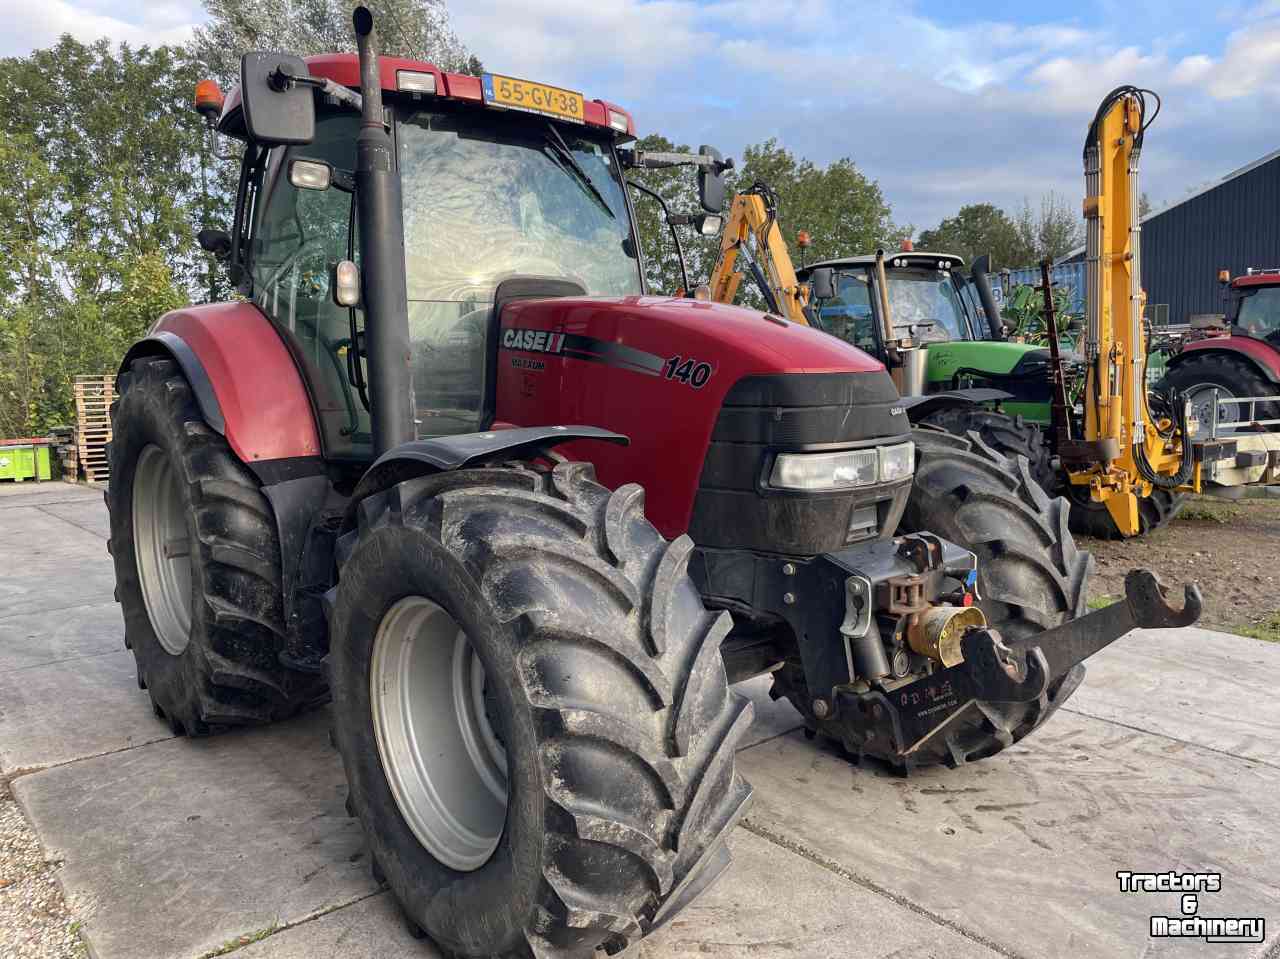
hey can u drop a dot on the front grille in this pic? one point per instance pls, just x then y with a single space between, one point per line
763 416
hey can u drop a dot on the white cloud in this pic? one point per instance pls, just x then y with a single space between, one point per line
1192 70
30 25
1250 64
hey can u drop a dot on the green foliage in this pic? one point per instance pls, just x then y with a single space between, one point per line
1023 313
1019 241
843 211
418 29
99 181
977 229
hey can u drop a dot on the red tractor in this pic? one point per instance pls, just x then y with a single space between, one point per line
1235 359
526 524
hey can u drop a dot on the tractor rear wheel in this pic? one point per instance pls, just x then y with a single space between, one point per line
197 563
532 710
1031 578
1010 436
1203 377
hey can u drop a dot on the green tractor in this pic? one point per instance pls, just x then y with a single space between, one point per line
947 347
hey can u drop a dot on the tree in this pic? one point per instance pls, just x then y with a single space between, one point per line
98 178
977 229
678 188
842 210
1055 232
418 29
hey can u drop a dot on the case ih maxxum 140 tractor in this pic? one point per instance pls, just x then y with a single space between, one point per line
525 524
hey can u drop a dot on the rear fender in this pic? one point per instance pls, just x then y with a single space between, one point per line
1264 357
245 381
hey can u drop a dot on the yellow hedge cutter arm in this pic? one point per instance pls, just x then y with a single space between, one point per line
752 232
1126 450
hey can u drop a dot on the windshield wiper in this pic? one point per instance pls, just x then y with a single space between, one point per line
560 152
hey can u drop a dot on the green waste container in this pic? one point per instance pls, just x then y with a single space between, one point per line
24 459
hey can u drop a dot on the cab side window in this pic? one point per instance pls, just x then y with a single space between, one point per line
299 237
848 315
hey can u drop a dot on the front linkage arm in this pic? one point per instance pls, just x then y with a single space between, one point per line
1024 670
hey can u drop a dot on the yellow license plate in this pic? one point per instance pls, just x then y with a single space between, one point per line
513 94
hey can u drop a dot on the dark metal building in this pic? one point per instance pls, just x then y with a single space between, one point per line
1233 224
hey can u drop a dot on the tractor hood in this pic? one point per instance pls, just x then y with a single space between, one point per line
641 333
705 392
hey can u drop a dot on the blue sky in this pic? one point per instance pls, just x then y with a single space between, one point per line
942 103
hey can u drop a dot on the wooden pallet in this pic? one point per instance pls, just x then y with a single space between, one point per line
94 396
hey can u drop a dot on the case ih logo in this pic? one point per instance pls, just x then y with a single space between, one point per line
533 341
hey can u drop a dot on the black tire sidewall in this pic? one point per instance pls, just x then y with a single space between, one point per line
146 417
491 906
1237 377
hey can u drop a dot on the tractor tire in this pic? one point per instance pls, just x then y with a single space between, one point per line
197 563
1091 518
550 646
1235 377
1011 436
1031 578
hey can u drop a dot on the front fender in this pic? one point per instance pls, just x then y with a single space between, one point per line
918 407
446 453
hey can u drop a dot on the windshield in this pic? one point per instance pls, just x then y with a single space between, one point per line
483 202
1260 312
928 300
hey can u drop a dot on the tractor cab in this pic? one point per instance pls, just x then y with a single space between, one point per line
500 178
929 301
1253 305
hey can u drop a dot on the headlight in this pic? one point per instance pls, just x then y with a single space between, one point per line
846 469
897 462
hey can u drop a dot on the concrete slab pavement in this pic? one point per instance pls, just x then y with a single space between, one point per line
1196 685
175 847
1023 848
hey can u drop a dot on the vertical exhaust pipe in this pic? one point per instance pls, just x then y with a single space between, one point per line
381 224
978 274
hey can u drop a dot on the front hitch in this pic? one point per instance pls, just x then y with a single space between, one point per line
1024 670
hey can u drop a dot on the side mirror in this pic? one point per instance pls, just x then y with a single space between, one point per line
277 110
822 283
217 242
711 190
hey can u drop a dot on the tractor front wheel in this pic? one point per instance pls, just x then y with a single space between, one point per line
532 711
1031 578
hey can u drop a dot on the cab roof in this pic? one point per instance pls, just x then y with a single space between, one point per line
913 260
344 69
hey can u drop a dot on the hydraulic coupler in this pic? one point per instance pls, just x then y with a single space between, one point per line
904 723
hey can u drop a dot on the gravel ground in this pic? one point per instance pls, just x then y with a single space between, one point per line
34 921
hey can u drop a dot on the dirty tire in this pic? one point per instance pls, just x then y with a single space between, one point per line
603 673
228 674
1237 377
1010 436
1031 578
1090 518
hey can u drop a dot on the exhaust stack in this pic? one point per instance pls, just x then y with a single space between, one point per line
381 225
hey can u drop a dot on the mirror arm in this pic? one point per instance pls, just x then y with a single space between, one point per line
652 160
666 216
326 86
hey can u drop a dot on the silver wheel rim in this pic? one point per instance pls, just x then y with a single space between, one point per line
1203 397
446 767
163 547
